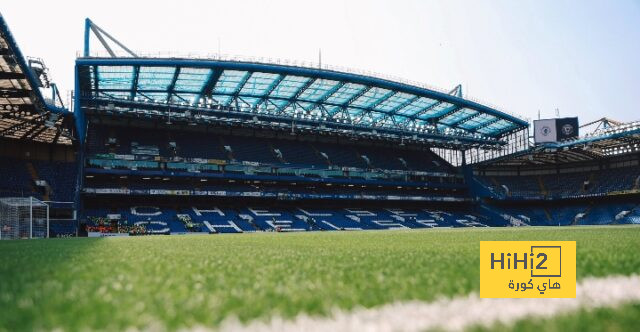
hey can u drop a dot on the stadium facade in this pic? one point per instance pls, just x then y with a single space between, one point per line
166 145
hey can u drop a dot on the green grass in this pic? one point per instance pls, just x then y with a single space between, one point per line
182 281
623 318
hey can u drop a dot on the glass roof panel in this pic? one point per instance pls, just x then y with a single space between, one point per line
416 106
477 121
371 97
375 116
301 106
331 109
115 77
394 101
367 104
192 79
247 101
458 116
345 93
354 111
229 81
437 110
155 78
318 89
258 84
274 104
497 127
288 87
442 127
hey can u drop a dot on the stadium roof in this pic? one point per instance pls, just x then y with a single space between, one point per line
263 91
24 113
610 141
267 89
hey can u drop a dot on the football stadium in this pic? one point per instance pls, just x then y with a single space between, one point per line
241 194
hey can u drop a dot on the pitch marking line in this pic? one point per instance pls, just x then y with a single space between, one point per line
452 314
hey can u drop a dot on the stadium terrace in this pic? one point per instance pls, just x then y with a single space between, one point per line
177 145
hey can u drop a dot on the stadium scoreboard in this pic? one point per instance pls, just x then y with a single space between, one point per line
555 130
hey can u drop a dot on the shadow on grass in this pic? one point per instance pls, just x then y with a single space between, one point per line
34 279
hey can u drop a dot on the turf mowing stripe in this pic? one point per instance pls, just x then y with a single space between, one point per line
455 314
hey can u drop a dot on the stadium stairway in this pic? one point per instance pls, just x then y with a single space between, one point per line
579 216
276 156
325 160
548 215
312 223
485 220
543 189
633 217
470 221
35 177
500 217
497 185
584 188
60 178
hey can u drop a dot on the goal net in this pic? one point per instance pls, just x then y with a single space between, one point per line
23 218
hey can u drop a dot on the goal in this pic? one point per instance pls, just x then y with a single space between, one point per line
23 218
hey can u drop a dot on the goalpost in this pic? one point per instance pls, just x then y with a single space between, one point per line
23 218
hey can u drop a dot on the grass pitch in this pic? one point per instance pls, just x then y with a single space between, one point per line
176 282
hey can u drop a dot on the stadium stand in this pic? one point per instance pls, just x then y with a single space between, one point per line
261 150
37 152
59 177
564 185
573 213
240 219
175 146
16 180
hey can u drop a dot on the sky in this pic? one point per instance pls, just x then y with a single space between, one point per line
581 58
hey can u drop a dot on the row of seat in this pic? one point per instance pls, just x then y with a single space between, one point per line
263 150
19 179
234 220
565 185
247 219
574 214
15 179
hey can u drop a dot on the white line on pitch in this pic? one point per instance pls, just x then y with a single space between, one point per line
452 314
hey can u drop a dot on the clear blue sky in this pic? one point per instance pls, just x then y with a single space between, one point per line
582 57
